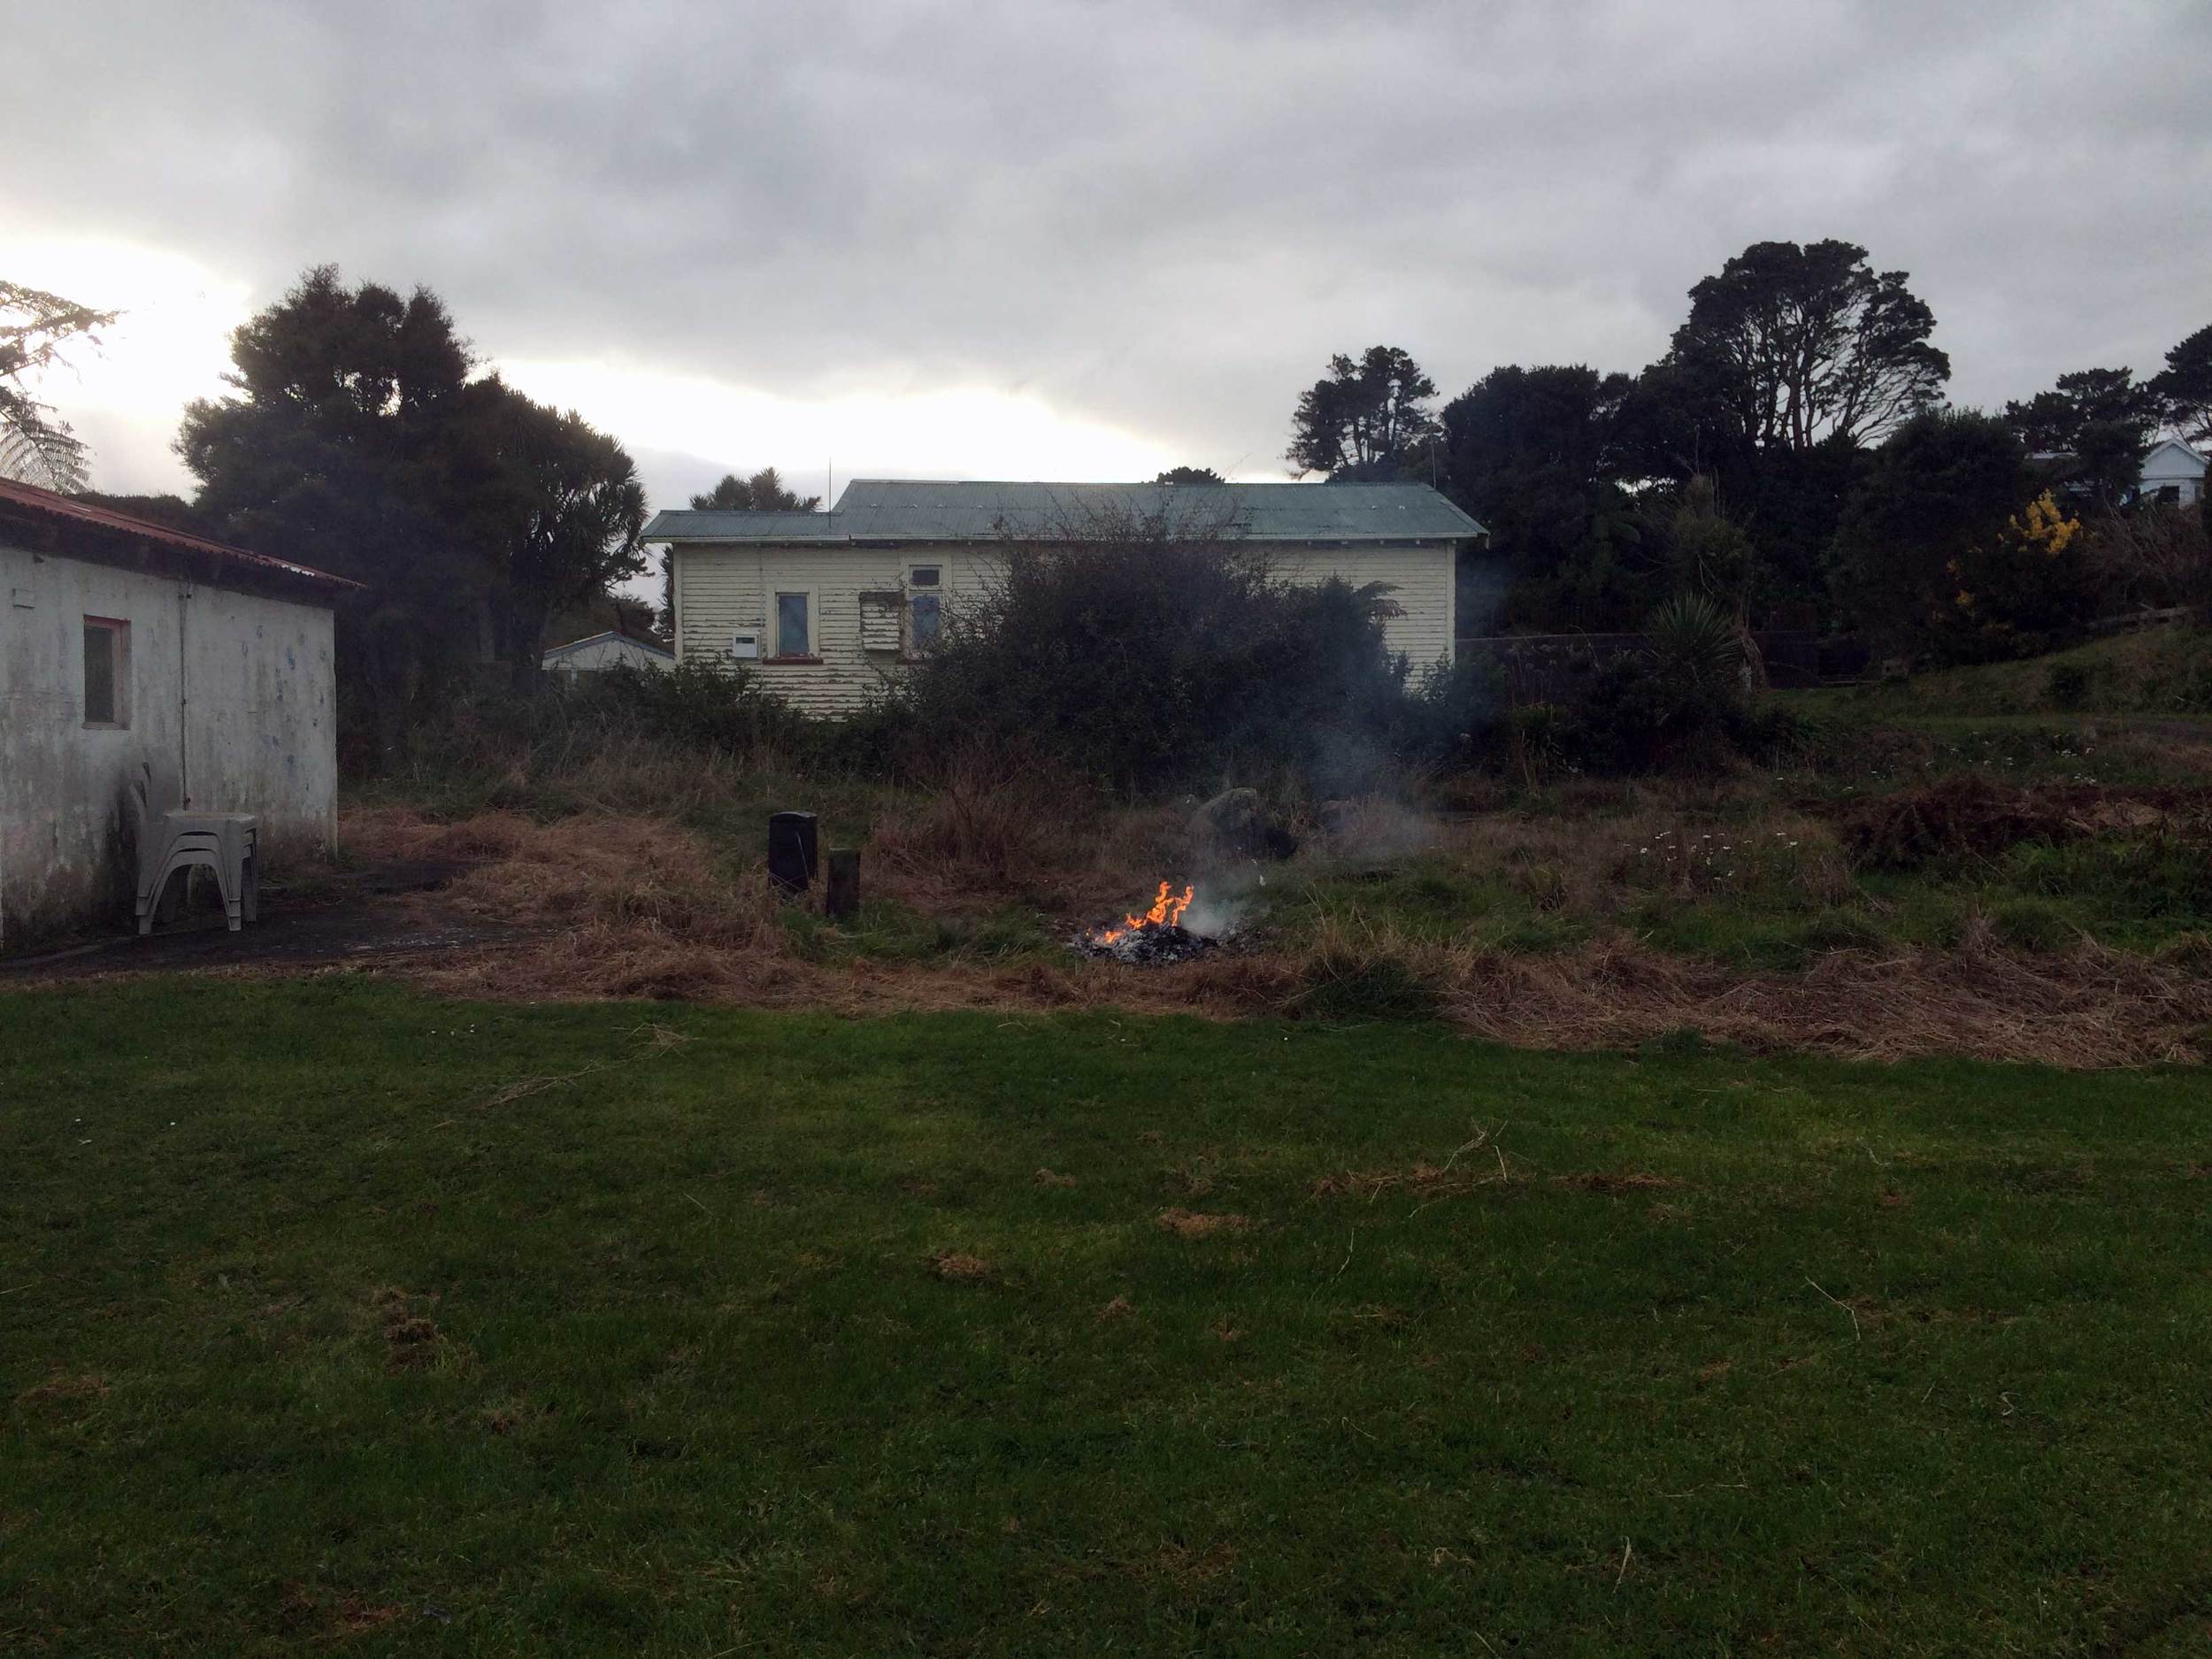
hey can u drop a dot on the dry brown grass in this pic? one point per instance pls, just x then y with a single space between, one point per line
630 907
993 832
960 1266
1191 1224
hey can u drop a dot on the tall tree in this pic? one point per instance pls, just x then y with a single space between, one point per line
2184 388
36 446
1365 420
1190 475
1792 346
763 492
2096 425
1939 491
335 446
1531 452
557 514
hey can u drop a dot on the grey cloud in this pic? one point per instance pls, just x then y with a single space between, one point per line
1161 216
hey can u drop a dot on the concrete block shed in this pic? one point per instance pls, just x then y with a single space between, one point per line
124 643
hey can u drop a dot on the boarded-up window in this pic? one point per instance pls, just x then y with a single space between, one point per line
880 621
107 671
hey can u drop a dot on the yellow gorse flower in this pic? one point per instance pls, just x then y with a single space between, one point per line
2047 529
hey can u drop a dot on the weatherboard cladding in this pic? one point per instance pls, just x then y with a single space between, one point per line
727 588
921 510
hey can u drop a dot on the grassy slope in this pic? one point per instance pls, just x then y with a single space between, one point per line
2159 672
696 1386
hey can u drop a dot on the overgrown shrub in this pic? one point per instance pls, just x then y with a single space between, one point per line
1534 741
1680 705
1951 551
495 737
1144 656
2152 556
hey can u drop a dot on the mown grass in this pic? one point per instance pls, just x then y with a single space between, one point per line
338 1317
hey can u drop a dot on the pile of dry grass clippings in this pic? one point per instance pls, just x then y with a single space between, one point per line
1971 816
604 907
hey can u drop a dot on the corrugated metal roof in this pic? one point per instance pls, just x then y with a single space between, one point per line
68 508
928 510
552 652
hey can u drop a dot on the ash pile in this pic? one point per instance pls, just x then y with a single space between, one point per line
1147 945
1153 939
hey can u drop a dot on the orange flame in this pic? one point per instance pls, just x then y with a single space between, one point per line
1167 910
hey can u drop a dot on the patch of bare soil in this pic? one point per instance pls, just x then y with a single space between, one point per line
1191 1223
960 1267
411 1341
1615 1183
64 1389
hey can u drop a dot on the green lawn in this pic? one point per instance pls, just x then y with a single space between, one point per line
333 1316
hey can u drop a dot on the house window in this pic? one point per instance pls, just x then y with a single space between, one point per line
924 607
795 634
2169 494
107 671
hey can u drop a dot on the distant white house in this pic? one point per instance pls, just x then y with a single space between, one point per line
823 606
607 651
2173 473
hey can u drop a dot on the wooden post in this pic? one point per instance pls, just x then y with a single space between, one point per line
840 897
791 842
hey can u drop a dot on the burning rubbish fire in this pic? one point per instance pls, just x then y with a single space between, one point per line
1157 936
1166 911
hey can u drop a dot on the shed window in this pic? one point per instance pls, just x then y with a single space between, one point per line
2169 494
925 608
794 633
107 671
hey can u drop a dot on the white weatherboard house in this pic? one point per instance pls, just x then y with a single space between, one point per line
2172 472
123 644
824 605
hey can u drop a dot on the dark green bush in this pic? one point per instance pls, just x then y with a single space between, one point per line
497 731
1144 658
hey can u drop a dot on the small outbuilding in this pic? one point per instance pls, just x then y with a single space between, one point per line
607 651
125 644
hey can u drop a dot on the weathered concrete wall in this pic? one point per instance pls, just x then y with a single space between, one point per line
230 694
723 588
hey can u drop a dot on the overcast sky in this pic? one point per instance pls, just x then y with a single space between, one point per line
1037 240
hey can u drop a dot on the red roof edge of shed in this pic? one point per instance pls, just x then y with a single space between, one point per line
65 507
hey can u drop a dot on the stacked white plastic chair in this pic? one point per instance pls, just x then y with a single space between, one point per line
171 838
